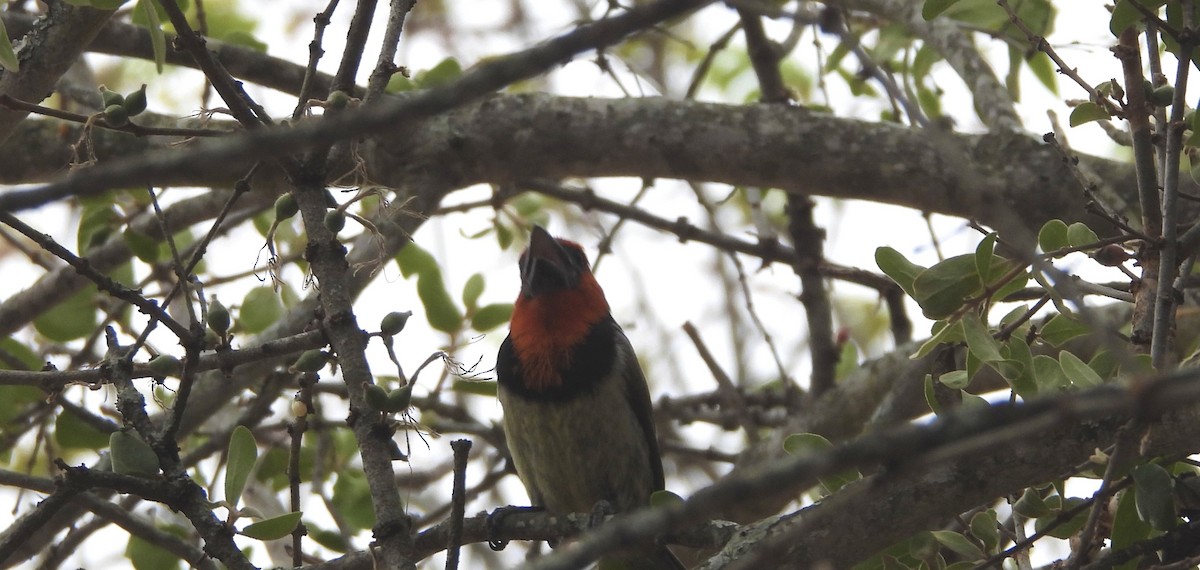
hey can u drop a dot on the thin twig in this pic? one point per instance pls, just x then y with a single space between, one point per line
725 385
129 127
462 449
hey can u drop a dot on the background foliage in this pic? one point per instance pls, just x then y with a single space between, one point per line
258 260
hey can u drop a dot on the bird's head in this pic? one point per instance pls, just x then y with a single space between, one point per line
551 265
559 303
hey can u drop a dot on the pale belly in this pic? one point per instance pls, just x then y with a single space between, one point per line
574 453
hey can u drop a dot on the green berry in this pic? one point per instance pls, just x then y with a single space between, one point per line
285 207
116 115
111 98
135 102
335 220
376 397
1162 95
311 361
218 317
338 100
165 365
394 322
399 399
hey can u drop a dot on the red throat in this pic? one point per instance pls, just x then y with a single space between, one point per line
546 328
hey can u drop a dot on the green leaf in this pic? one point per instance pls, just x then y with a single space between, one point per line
143 246
8 57
73 318
243 452
26 359
412 259
145 10
933 8
1155 496
984 527
931 396
71 432
1061 328
847 361
1014 285
1104 363
479 388
1124 14
273 528
260 309
1044 69
1078 234
941 289
146 555
1053 236
979 340
332 540
132 456
446 71
1031 505
898 268
352 498
491 316
96 224
959 544
1067 529
948 333
1049 373
245 39
471 292
1078 371
972 401
504 236
1023 377
983 257
956 379
1127 528
440 310
1087 112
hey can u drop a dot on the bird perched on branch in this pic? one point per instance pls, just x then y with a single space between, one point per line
577 411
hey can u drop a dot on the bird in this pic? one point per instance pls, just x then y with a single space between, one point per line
577 412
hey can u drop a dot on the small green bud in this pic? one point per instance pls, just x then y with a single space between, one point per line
131 455
218 317
335 220
285 206
135 102
376 397
211 339
116 115
338 100
110 98
1162 95
165 365
394 322
399 399
310 361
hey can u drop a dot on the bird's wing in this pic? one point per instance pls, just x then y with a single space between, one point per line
638 393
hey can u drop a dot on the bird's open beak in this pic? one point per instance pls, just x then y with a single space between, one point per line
545 266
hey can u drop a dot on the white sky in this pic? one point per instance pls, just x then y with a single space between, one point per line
646 262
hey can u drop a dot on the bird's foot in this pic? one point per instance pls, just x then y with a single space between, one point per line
494 520
600 511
